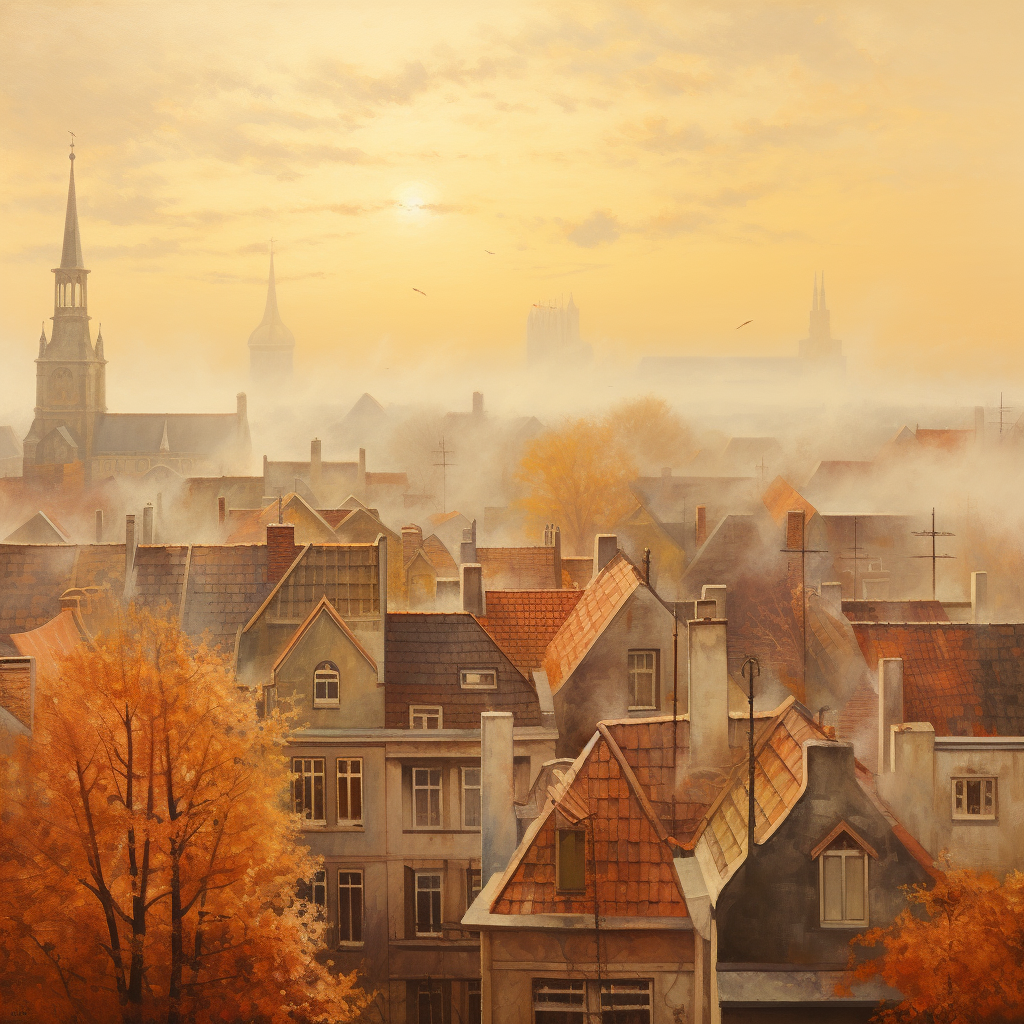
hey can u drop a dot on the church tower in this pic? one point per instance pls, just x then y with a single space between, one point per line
70 371
819 345
271 345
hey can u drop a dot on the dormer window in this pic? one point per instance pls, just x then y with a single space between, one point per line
478 679
843 859
326 685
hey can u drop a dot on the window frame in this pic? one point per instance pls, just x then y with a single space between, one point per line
319 906
424 711
325 668
612 987
492 672
965 815
312 775
429 788
349 888
558 861
630 671
844 855
463 788
349 821
439 889
472 891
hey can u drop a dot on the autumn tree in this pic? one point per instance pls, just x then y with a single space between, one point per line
576 476
955 953
150 864
652 433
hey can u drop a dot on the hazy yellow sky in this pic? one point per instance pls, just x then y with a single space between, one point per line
679 168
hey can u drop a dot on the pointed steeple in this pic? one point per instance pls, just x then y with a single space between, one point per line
165 445
99 343
42 339
271 344
71 255
823 306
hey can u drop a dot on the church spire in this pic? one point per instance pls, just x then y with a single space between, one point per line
71 255
271 344
270 314
823 306
42 339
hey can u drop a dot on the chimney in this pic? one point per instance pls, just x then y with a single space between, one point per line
605 547
700 529
281 550
471 575
708 666
829 765
361 474
556 543
241 411
715 592
499 833
909 789
129 553
478 404
412 540
266 483
979 424
147 525
795 529
222 510
705 609
979 596
382 590
832 598
99 526
467 551
890 707
448 595
316 465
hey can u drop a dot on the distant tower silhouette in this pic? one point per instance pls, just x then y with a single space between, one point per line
553 332
271 345
819 345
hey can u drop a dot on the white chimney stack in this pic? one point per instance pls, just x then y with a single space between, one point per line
498 833
979 596
605 547
715 592
709 693
890 707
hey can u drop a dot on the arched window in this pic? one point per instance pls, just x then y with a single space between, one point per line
326 685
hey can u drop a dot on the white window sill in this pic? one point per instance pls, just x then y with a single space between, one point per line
844 924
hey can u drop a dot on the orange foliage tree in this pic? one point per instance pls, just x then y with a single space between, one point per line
576 476
957 959
653 435
150 864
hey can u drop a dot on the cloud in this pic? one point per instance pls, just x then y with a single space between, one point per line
598 228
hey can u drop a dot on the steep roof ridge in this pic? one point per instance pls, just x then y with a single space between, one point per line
322 605
634 784
277 586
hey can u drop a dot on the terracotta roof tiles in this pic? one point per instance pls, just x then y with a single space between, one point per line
523 622
895 611
781 498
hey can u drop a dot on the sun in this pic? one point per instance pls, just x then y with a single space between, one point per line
413 200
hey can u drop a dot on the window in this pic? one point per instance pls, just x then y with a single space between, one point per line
428 903
350 907
626 1002
470 797
424 717
309 787
319 893
431 1001
326 686
350 791
643 690
571 849
974 799
478 679
475 1009
426 797
559 1002
472 885
843 877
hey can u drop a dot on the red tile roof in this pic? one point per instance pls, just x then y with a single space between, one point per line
781 498
523 622
52 641
895 611
945 440
585 623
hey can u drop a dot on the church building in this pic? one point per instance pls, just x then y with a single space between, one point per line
73 438
271 345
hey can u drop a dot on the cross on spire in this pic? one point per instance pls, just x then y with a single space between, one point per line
72 134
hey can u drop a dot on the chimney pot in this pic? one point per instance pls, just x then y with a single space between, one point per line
795 529
281 550
499 832
467 550
700 531
129 552
705 609
241 406
474 600
556 543
605 547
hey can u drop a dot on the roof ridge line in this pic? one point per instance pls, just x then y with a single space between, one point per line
633 782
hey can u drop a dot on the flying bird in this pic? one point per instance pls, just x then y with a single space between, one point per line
744 324
423 293
488 251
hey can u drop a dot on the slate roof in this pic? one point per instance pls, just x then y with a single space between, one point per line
895 611
32 578
189 433
588 619
159 576
346 574
424 654
100 565
523 622
966 679
781 498
226 584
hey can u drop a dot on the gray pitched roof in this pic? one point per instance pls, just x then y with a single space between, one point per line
192 433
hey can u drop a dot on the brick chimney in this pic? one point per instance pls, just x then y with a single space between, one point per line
316 465
795 529
281 550
556 543
708 665
498 831
474 600
99 526
412 539
605 547
700 525
890 707
129 553
222 510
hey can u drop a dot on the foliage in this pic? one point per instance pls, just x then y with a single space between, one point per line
150 864
652 434
955 954
577 477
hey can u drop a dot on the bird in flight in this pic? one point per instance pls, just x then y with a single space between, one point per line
423 293
744 324
488 251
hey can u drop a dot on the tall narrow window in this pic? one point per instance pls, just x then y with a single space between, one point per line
350 791
474 1008
320 893
308 787
426 797
326 685
571 854
472 885
424 717
428 903
350 907
432 998
843 877
470 797
559 1001
643 690
974 799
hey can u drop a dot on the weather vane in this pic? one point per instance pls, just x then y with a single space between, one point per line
72 134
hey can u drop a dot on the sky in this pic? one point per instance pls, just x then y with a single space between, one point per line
677 168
